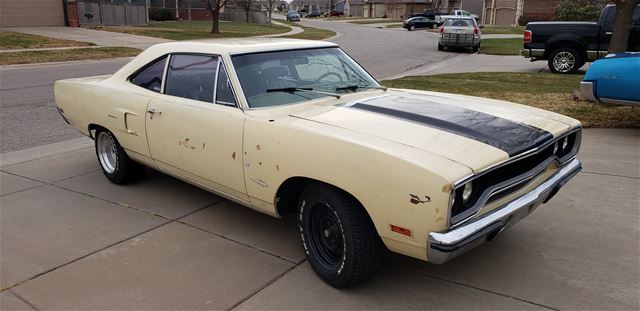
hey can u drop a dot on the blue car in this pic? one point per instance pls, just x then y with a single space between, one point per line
614 79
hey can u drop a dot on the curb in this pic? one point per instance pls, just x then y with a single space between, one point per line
45 151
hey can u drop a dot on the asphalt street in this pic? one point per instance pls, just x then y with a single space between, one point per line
28 117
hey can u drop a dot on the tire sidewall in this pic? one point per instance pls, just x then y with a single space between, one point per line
319 199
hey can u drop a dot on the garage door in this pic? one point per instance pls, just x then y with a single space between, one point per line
31 13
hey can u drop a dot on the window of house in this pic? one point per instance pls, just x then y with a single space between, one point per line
192 76
150 77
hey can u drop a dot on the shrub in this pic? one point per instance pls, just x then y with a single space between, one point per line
160 14
580 10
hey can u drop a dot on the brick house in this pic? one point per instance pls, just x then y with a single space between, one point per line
508 12
394 9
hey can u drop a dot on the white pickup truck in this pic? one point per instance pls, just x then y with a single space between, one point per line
455 13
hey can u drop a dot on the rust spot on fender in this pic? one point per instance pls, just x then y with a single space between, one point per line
259 163
447 188
277 167
258 147
203 145
233 155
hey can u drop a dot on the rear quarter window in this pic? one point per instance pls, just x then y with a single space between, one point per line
150 76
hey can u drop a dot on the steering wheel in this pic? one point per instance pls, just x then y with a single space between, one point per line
329 74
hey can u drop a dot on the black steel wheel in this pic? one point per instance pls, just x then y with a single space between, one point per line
338 236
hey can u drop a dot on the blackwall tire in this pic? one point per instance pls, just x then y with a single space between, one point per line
115 163
338 237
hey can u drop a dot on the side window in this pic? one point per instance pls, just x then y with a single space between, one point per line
224 94
192 76
150 77
636 16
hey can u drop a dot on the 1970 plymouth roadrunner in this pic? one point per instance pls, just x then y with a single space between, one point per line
295 126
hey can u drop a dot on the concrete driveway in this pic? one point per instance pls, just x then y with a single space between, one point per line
71 240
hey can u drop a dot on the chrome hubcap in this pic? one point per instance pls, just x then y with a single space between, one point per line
107 153
564 61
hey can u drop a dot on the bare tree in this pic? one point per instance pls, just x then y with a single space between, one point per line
214 7
246 6
622 25
270 4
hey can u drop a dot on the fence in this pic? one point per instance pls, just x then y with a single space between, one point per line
104 13
229 14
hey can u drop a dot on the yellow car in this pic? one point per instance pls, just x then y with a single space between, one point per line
296 126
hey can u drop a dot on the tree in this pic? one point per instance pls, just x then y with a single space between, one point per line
580 10
246 6
622 25
270 4
214 7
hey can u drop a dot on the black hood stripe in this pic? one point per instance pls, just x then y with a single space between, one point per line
511 137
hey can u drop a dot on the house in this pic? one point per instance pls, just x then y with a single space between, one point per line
354 8
21 13
509 12
394 9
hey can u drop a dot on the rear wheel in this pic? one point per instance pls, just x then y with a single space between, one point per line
434 26
565 60
115 163
338 237
476 48
440 47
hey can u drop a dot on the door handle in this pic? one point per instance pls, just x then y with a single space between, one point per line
608 33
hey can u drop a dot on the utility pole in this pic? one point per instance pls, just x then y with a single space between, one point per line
177 14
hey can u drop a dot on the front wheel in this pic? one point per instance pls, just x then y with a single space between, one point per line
115 163
434 26
412 28
338 237
565 60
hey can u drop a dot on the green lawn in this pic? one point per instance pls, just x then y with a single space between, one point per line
375 21
543 90
489 30
311 33
509 46
182 30
13 40
28 57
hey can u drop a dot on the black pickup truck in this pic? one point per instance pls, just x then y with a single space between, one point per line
569 45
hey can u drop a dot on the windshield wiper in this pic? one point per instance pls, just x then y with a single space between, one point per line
292 90
355 87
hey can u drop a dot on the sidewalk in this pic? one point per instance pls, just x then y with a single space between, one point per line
97 37
70 239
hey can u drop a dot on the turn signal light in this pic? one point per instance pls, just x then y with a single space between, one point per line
527 36
442 29
403 231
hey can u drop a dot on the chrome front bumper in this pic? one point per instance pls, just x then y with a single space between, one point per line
444 246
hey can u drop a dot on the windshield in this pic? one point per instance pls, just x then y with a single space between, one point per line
286 77
459 22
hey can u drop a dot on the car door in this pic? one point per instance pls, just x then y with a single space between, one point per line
421 22
194 129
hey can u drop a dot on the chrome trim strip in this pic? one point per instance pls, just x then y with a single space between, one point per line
443 246
619 102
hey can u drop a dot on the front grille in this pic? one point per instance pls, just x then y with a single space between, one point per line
511 177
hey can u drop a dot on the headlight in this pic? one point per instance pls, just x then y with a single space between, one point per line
555 148
466 192
565 144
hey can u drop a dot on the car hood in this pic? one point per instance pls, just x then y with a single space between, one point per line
476 132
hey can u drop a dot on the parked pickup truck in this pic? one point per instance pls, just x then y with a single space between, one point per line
567 46
455 13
